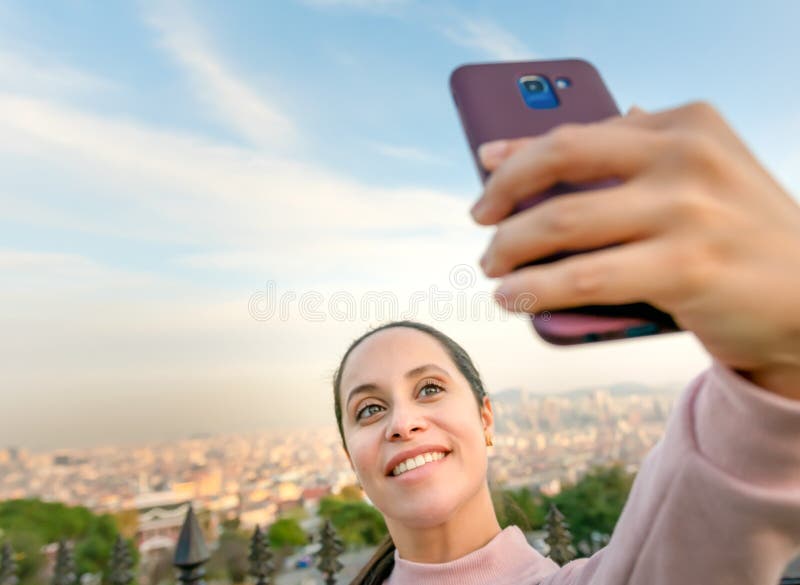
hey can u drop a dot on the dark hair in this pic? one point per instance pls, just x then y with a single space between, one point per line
380 565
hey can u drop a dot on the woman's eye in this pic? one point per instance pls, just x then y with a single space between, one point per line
434 386
365 409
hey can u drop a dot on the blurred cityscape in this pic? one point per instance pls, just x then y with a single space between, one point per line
541 442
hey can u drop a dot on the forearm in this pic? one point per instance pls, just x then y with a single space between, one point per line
717 501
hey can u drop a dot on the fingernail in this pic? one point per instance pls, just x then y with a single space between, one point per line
486 263
502 296
479 210
493 152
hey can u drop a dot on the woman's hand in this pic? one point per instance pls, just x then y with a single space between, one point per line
705 233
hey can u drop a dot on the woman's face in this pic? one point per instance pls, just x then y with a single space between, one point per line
404 406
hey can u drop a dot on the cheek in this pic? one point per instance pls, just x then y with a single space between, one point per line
466 422
363 453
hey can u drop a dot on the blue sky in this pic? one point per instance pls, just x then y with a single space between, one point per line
162 162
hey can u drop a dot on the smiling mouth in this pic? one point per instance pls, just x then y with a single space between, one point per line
415 463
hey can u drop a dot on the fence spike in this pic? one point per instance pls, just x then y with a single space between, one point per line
191 552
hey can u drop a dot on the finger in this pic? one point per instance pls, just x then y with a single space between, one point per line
624 274
491 154
697 115
635 111
571 153
695 118
576 221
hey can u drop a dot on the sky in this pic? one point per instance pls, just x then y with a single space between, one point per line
200 202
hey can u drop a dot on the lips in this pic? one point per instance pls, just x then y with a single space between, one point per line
403 455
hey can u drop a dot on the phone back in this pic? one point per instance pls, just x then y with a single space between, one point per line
491 107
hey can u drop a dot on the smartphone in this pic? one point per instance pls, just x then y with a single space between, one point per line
528 98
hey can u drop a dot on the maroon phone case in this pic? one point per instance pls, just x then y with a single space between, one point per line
491 107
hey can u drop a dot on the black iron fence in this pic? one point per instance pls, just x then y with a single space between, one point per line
191 555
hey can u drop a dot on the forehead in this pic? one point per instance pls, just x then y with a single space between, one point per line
390 353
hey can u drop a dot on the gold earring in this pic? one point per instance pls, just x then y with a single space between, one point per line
489 442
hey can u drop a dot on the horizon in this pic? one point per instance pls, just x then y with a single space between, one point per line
143 442
168 167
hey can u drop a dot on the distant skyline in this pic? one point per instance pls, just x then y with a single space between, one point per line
162 163
188 427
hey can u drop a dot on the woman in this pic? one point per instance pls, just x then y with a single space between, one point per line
706 235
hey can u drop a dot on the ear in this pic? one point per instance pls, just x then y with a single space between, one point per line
487 416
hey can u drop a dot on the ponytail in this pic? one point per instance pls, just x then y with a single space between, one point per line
379 566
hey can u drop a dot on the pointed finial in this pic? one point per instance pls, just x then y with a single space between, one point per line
191 549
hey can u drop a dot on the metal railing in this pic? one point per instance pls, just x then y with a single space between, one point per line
191 555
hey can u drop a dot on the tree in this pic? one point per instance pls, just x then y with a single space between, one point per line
262 565
27 552
357 523
230 559
30 524
558 538
127 522
286 532
8 566
521 508
593 505
120 571
351 493
328 555
64 571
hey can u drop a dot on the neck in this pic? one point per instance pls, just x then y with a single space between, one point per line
467 529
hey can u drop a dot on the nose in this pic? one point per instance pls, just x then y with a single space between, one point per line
405 420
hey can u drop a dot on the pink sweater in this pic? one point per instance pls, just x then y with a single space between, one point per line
717 500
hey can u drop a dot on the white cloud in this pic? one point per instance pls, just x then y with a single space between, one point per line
36 74
409 153
272 218
233 100
254 212
225 198
489 38
74 323
28 270
23 259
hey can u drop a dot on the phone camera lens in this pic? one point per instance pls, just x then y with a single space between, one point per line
537 92
534 85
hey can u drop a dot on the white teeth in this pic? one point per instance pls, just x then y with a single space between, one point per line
418 461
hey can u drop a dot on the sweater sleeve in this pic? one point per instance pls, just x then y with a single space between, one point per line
717 500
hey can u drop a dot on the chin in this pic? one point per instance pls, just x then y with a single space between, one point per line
423 512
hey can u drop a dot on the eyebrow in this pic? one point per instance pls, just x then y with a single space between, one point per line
369 387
